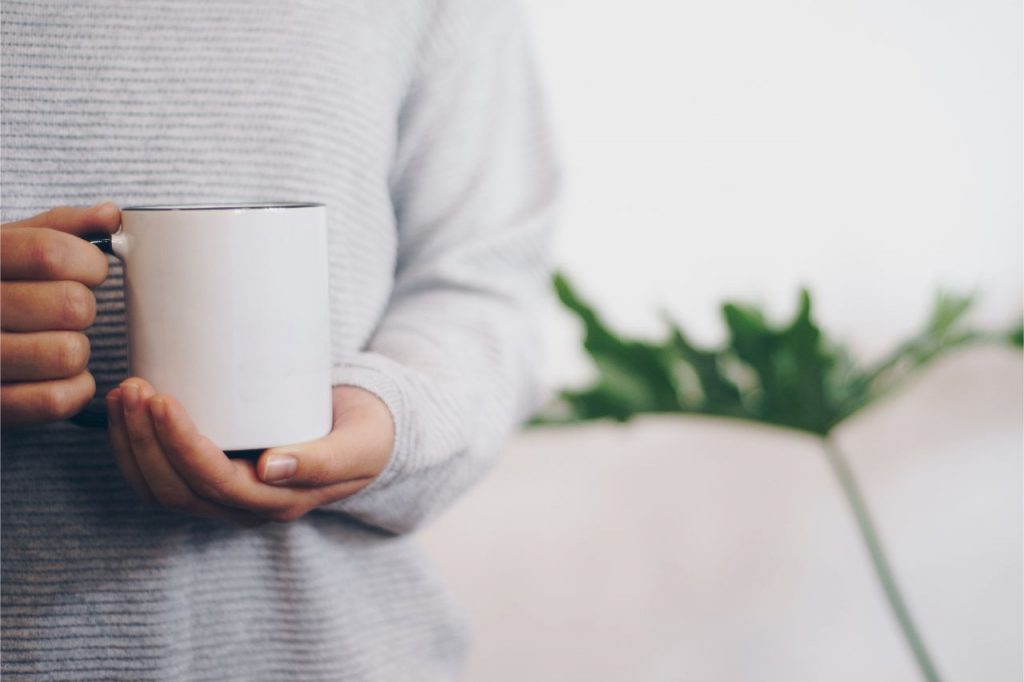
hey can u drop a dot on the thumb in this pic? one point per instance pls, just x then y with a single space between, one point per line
358 447
103 217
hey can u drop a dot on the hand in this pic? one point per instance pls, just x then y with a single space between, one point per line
45 277
170 464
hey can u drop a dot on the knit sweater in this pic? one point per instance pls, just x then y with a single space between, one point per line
417 123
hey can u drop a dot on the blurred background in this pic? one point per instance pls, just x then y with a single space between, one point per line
739 149
869 150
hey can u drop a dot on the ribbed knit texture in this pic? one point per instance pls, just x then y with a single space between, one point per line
418 125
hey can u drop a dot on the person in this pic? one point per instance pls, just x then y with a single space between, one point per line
145 553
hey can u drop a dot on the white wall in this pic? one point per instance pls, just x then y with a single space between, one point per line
740 148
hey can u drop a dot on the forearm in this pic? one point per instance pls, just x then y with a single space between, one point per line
458 372
456 356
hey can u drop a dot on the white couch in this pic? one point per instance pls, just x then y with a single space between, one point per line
691 548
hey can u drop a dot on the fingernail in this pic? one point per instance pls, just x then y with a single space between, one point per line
158 409
130 392
279 468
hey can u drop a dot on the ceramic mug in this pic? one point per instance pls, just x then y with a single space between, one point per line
227 311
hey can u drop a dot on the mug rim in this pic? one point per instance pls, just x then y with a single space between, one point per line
248 206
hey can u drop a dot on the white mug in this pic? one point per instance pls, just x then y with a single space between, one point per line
227 311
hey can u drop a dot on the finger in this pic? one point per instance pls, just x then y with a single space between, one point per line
45 401
39 356
204 466
30 253
46 306
299 500
209 471
103 217
166 485
121 447
358 447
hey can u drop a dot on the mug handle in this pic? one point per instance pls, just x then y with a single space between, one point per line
94 415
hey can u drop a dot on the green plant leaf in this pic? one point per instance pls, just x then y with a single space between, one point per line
635 376
792 366
719 395
803 364
754 343
790 375
944 330
600 401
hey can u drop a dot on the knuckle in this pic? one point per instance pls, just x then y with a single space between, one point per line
78 305
72 353
53 403
79 394
59 402
50 254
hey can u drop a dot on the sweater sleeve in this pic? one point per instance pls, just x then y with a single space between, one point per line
456 355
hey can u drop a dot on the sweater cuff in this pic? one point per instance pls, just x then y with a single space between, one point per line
379 375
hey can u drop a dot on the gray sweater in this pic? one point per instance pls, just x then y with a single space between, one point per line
417 123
